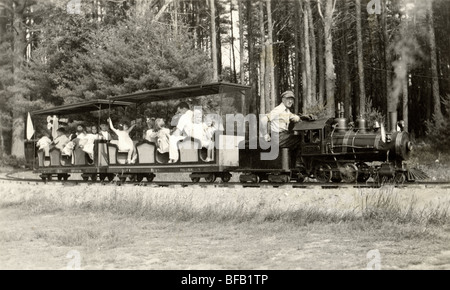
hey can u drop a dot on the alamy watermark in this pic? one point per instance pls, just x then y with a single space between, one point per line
374 7
74 7
236 125
75 260
375 260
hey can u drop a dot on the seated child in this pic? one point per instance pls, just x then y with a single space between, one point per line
150 134
61 139
204 131
44 143
125 142
104 132
87 143
68 149
162 136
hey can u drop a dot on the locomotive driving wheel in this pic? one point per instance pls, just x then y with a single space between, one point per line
363 172
349 172
301 177
323 173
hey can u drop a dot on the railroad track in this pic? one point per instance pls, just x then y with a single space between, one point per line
309 185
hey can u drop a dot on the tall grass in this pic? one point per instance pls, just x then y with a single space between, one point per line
369 206
386 206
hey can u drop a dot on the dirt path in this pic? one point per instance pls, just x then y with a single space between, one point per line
107 241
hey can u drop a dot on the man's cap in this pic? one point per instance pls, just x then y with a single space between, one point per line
288 94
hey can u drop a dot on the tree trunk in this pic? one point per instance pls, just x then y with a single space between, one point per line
345 78
298 51
387 57
252 61
438 118
214 41
19 47
175 17
270 60
233 54
330 81
362 89
307 60
312 36
320 58
302 55
218 41
163 9
198 29
262 73
3 31
241 42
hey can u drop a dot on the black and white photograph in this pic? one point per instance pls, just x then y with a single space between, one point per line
238 135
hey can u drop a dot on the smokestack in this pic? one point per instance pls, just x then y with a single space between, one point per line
392 122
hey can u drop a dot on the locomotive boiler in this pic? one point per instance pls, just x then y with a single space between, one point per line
336 150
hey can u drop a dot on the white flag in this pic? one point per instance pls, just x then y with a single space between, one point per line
30 127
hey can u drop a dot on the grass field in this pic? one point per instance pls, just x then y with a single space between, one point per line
224 228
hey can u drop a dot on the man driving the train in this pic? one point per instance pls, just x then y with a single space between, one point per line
280 118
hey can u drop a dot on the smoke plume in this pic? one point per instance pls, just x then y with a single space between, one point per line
407 50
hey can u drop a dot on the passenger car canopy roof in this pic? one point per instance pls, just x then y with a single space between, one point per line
181 92
82 107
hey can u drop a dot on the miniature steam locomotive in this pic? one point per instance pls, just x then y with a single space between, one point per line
329 150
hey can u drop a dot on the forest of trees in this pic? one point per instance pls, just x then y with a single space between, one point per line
389 56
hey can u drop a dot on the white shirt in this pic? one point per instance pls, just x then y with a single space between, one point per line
43 142
106 135
280 117
61 141
185 123
150 135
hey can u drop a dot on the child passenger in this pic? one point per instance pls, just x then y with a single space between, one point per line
104 132
125 142
61 139
204 131
68 149
44 143
150 134
162 136
87 143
